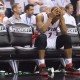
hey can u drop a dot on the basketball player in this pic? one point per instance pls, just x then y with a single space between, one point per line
47 25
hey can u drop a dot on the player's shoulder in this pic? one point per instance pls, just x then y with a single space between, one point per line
39 16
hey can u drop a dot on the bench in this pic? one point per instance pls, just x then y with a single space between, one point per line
14 39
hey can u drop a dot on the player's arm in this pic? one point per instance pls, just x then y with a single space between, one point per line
40 23
62 25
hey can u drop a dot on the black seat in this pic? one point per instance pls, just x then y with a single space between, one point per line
20 35
5 48
6 51
73 32
26 53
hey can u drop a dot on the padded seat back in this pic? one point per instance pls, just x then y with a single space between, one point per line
4 41
73 32
20 34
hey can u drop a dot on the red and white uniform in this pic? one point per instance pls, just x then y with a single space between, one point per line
51 32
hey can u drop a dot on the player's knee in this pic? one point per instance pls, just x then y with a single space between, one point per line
41 41
68 42
67 39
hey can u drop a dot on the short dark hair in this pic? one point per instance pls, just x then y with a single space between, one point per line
68 5
14 6
28 6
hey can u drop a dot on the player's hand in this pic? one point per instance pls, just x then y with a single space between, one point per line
56 12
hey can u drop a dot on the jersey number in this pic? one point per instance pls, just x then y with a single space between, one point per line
50 34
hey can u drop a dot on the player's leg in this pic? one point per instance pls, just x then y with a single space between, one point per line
41 43
65 40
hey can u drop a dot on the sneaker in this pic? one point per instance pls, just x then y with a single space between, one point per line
72 70
42 70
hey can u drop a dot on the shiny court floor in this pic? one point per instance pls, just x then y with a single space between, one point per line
56 76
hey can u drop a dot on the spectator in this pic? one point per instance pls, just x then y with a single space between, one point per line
37 4
8 12
74 3
78 11
46 8
22 3
51 3
17 10
62 3
78 7
26 2
30 19
69 19
28 16
3 18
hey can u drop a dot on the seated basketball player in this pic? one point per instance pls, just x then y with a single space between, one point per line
47 24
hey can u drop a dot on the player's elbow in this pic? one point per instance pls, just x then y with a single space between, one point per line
42 30
64 31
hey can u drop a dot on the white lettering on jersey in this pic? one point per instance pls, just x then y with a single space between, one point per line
51 32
